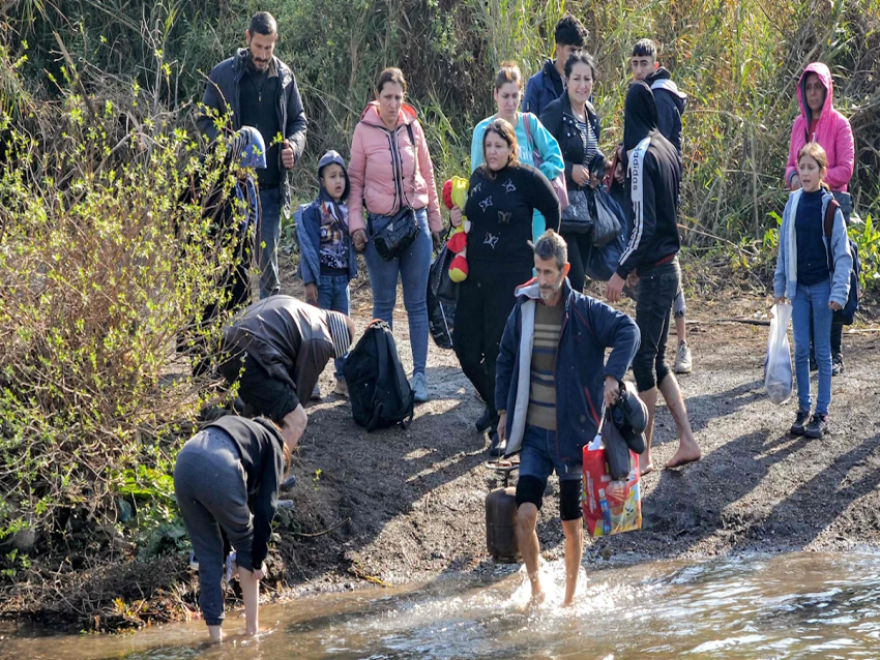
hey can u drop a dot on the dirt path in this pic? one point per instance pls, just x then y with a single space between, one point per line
414 500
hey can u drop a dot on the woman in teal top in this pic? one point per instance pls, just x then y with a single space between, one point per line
531 138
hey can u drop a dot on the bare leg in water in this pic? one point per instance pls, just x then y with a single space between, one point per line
529 548
574 552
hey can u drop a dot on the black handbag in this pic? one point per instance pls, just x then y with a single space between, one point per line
576 218
398 234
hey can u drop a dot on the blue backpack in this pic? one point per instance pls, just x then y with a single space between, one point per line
847 314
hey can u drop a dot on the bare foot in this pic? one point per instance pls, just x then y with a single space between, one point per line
688 452
646 466
537 599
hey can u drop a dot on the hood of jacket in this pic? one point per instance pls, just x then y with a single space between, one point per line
640 115
662 79
370 115
330 158
821 70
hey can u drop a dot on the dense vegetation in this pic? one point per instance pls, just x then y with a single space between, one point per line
101 270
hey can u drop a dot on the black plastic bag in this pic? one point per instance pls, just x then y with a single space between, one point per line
609 219
442 299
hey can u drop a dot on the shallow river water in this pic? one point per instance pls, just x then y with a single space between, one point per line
784 606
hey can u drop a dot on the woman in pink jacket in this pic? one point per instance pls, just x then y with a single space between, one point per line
820 122
388 172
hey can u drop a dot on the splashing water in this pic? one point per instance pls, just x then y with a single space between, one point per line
785 606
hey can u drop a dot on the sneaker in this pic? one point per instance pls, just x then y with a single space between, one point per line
836 365
800 422
341 388
496 449
683 359
818 426
288 483
485 422
420 388
316 393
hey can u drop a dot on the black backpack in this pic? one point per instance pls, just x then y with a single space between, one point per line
379 392
845 316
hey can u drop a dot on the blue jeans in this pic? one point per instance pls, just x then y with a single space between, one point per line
539 457
270 235
810 307
412 266
334 294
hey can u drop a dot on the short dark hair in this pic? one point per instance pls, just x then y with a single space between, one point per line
390 75
571 32
645 48
580 58
552 246
263 23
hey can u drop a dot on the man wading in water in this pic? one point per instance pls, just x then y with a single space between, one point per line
553 379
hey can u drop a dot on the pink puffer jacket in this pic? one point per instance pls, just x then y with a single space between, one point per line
833 132
379 157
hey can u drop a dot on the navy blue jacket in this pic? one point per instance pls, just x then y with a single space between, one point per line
308 235
588 328
542 89
222 96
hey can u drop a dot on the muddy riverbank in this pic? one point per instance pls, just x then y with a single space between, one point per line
402 506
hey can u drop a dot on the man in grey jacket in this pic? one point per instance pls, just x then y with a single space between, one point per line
276 350
257 89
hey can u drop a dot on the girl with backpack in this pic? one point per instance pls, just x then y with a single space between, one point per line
813 271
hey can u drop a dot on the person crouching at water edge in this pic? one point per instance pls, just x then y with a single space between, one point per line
226 481
552 381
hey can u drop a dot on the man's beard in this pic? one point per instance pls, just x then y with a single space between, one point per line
259 65
548 293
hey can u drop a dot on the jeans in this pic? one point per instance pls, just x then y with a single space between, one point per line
335 295
412 267
657 290
809 309
270 235
484 303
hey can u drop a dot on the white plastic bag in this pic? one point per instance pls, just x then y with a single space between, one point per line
778 374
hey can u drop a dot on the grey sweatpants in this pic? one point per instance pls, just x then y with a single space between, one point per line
211 490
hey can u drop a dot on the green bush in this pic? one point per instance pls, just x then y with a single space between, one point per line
107 260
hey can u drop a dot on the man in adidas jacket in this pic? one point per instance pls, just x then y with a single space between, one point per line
653 181
551 386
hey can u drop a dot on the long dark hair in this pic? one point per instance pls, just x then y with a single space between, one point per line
503 129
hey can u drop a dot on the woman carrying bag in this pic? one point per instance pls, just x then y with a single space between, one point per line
572 120
392 175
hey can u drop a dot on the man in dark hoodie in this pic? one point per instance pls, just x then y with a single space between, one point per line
653 183
328 261
546 86
259 90
670 107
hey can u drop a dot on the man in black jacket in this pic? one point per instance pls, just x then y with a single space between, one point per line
653 181
277 349
259 90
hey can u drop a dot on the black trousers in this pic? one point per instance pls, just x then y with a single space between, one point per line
578 252
484 304
657 289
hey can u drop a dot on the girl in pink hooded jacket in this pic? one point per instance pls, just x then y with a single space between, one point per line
390 167
820 122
